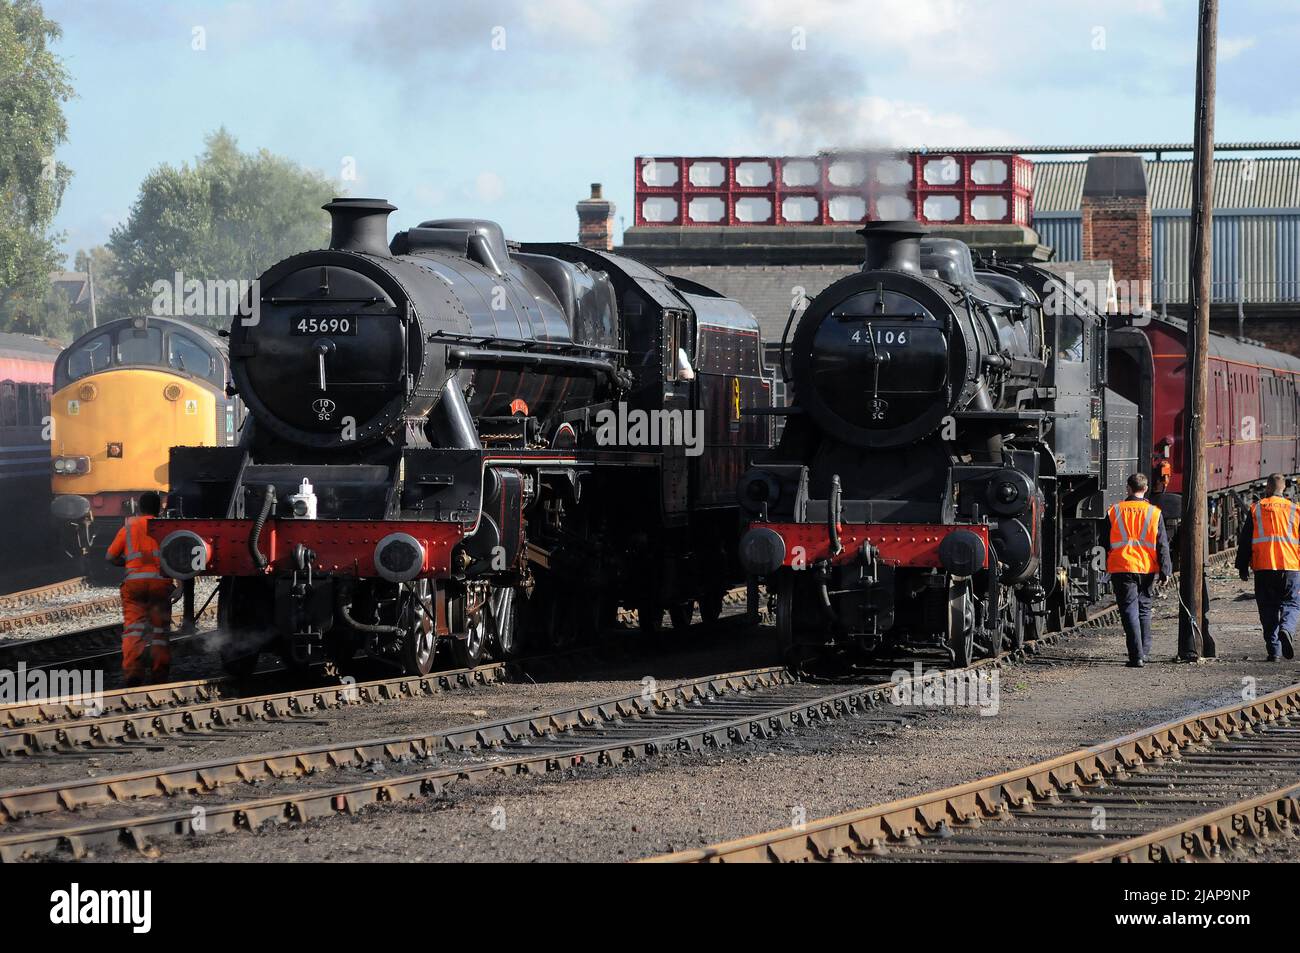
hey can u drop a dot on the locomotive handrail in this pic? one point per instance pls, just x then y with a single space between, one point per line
506 343
462 357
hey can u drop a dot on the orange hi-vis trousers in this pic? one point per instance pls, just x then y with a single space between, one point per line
146 628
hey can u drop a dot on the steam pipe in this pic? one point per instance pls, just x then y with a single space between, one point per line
255 535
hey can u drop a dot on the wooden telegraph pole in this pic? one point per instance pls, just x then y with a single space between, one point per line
1191 615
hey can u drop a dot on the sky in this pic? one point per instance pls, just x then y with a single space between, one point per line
509 109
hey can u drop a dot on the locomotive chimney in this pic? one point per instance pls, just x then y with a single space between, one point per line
596 220
895 246
360 225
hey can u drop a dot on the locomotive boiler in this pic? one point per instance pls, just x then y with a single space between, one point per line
946 463
427 462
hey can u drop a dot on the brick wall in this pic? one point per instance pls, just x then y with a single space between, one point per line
1118 228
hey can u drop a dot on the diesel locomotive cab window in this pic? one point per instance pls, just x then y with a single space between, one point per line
139 347
93 356
188 355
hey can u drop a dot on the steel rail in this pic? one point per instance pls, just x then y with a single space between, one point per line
68 613
608 731
545 734
980 804
44 711
26 597
205 776
163 717
527 732
1210 835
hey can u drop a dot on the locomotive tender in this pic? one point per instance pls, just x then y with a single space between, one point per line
947 460
427 460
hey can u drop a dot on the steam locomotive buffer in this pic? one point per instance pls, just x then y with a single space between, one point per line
948 457
424 464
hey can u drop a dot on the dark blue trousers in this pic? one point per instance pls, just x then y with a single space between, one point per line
1278 593
1133 595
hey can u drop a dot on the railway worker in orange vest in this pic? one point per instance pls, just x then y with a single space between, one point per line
1269 543
146 598
1138 555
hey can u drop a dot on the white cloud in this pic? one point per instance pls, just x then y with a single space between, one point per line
489 187
1230 47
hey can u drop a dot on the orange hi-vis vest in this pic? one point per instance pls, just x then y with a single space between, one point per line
1134 530
140 549
1275 540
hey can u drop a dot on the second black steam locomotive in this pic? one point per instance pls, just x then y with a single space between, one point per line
947 460
457 441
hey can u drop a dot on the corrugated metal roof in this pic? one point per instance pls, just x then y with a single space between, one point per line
1249 183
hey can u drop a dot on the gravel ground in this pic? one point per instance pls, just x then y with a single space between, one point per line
1079 692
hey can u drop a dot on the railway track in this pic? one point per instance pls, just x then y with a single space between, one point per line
47 711
84 648
190 708
39 594
124 714
701 714
1191 789
697 715
61 613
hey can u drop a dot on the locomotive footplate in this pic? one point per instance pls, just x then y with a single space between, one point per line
767 547
193 547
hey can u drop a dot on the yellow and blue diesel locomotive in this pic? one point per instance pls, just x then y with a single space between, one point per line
125 393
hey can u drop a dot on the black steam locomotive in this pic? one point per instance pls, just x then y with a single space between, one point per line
461 442
948 458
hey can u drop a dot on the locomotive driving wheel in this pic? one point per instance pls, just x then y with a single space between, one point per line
503 608
1013 626
469 651
419 641
961 624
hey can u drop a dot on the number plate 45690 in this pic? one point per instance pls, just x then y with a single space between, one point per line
333 325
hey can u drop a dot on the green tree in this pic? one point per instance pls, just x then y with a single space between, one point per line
45 312
225 218
33 87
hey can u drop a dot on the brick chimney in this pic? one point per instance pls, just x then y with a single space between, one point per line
596 220
1117 222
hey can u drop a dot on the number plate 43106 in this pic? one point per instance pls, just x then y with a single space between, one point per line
881 337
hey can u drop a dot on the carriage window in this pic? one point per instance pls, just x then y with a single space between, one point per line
91 357
136 347
1069 343
186 354
8 404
